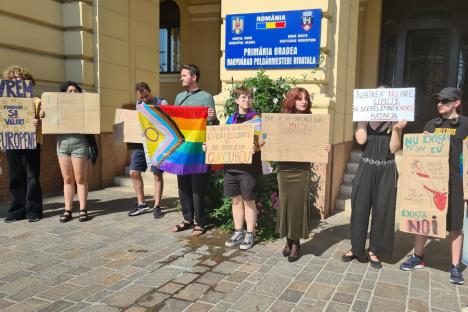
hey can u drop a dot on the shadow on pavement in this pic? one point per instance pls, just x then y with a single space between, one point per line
97 207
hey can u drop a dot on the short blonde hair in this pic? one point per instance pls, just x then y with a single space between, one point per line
15 70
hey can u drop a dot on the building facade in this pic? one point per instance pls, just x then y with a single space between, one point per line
109 45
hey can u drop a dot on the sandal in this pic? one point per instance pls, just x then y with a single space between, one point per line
182 226
287 247
376 264
198 230
66 216
83 216
292 258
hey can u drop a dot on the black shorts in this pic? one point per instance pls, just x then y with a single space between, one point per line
138 162
455 210
244 184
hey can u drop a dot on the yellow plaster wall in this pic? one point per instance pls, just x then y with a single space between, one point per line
369 44
128 41
200 37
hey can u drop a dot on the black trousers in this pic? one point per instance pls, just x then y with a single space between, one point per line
24 171
374 187
192 190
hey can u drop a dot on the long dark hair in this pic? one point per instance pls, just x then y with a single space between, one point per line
66 84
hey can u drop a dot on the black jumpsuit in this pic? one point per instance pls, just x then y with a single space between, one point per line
374 186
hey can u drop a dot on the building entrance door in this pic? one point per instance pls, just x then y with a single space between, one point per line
424 44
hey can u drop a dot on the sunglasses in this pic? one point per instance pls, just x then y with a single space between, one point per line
443 101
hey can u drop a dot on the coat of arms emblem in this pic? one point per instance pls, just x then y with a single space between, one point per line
307 20
238 25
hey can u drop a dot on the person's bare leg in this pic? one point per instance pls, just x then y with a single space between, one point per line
250 215
419 243
238 212
456 239
80 168
138 186
66 168
158 187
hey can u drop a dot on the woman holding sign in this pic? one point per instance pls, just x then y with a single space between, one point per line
294 184
448 102
374 187
73 154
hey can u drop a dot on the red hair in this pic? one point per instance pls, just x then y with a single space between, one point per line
289 103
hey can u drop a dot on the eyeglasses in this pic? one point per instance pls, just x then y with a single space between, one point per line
443 101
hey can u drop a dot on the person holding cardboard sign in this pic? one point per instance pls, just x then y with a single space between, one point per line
294 184
241 180
448 102
73 154
374 189
138 161
24 164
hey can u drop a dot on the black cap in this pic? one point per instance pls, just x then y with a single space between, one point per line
449 93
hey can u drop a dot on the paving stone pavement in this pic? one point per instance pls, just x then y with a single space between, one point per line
120 263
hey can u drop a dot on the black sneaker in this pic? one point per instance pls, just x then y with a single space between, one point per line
33 219
157 212
139 209
10 220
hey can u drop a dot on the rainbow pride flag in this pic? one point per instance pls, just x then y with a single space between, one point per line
173 137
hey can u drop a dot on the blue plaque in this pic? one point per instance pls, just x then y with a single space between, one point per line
288 39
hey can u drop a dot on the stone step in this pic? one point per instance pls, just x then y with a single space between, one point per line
343 204
348 178
345 190
352 168
355 156
170 183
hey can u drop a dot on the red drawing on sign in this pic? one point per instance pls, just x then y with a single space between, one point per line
439 198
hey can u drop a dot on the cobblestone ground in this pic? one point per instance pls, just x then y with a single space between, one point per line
120 263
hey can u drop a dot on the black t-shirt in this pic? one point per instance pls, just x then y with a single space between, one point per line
458 133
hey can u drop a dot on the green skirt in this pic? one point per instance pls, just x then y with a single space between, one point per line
293 211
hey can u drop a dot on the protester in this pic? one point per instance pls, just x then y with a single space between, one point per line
73 154
24 165
138 161
192 187
241 180
448 102
374 188
294 184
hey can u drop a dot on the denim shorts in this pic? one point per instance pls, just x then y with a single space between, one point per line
72 145
138 162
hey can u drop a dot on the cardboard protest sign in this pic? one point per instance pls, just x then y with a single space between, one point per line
127 126
295 137
384 104
71 113
423 189
16 88
229 144
465 169
16 123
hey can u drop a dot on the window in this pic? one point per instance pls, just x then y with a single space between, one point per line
169 37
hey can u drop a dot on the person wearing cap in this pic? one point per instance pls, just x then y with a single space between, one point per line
449 121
